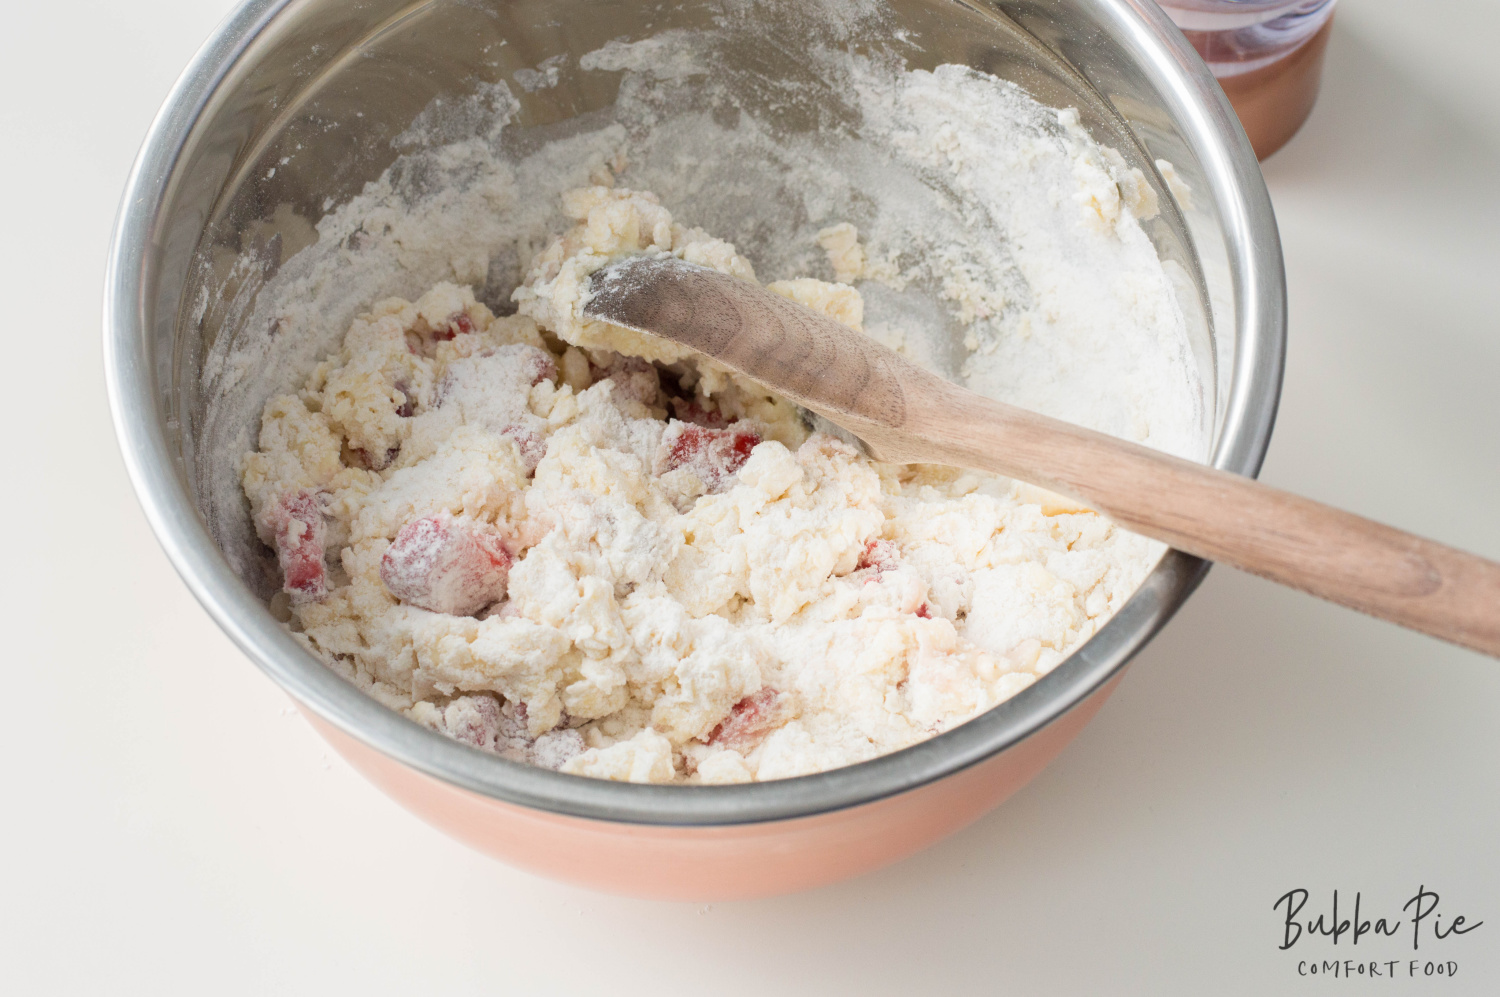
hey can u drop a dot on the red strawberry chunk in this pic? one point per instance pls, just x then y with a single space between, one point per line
539 366
458 323
556 748
751 719
490 724
447 565
698 415
633 378
298 524
533 445
514 739
363 459
423 344
880 555
714 455
473 720
880 565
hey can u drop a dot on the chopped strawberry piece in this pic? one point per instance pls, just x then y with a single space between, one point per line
298 524
363 459
422 344
880 555
692 411
539 367
556 748
903 590
447 565
533 445
751 719
513 740
633 378
473 720
491 724
458 323
714 455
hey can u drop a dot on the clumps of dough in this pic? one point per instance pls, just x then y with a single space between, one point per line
611 222
1110 191
852 262
484 722
845 254
574 546
838 301
1177 186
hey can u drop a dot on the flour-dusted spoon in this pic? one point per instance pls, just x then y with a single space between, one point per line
905 414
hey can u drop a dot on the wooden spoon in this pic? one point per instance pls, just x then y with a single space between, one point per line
905 414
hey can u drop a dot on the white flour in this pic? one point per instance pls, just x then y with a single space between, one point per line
988 237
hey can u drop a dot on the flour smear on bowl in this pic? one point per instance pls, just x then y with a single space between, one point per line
582 548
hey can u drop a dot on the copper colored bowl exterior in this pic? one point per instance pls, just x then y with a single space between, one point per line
297 102
730 862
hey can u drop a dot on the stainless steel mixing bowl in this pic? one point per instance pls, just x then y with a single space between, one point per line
297 102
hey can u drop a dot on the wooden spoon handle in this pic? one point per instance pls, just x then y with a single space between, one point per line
1224 517
903 413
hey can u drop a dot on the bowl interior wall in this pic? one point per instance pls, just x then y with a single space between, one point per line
317 105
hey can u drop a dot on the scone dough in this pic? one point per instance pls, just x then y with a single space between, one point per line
578 546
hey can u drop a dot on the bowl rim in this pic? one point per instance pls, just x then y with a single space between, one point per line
1215 137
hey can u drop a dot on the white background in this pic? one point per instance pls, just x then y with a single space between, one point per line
169 826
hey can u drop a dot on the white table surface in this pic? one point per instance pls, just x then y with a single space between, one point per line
171 827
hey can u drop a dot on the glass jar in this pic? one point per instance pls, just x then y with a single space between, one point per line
1266 54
